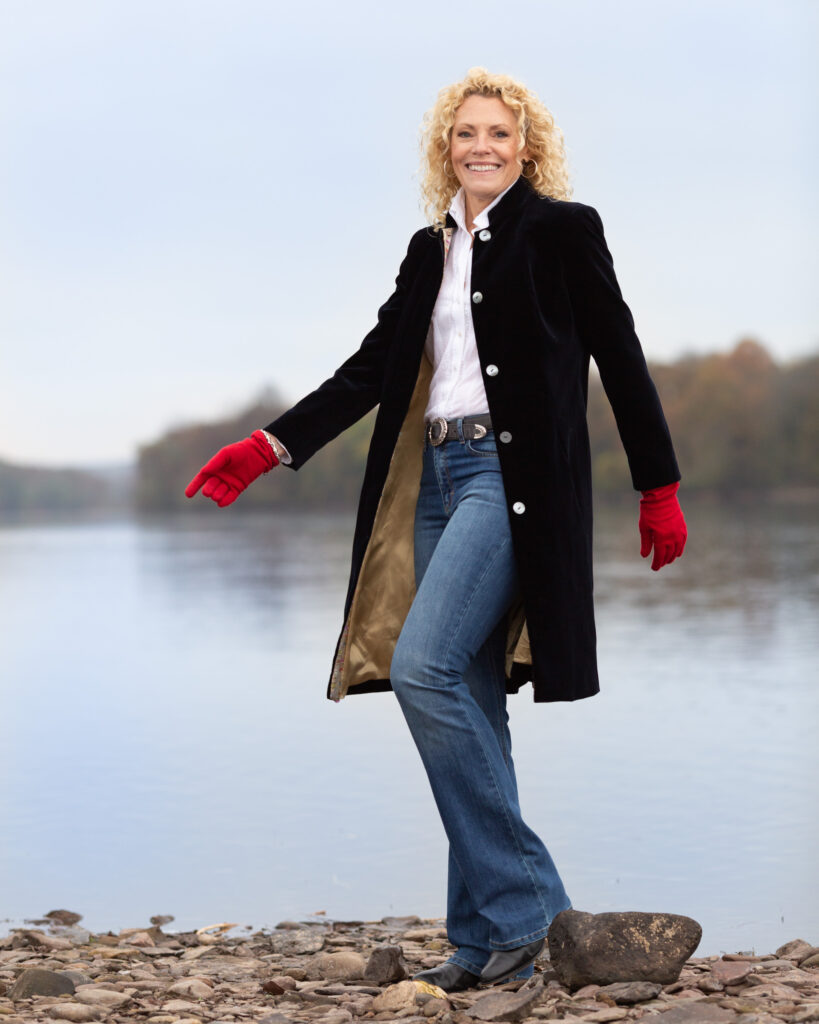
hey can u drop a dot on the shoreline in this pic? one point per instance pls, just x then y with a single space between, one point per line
343 971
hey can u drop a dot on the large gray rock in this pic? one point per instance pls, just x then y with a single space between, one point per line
36 981
599 949
386 965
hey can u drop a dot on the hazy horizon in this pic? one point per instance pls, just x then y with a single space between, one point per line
201 200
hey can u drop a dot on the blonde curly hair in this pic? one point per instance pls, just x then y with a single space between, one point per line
546 170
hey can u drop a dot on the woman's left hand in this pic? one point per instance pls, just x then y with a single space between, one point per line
662 525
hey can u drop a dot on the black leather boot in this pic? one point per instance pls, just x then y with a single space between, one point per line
450 977
504 964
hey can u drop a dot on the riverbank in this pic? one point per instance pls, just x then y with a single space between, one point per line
337 972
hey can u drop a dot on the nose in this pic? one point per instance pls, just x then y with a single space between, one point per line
481 142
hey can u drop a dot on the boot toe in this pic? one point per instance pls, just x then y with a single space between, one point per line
448 976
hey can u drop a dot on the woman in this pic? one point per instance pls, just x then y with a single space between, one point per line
472 558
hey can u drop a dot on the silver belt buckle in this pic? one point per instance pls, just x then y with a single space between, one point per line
440 437
480 431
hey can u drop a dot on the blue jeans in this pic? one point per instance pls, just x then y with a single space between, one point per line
448 675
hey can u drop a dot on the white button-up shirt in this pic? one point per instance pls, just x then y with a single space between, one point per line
457 384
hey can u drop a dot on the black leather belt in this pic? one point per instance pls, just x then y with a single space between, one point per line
474 427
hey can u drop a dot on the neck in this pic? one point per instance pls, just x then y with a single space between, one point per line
472 207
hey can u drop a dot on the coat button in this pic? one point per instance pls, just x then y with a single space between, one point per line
491 370
485 235
505 436
477 297
519 508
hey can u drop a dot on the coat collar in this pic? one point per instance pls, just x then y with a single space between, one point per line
508 206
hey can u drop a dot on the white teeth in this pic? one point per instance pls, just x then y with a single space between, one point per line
483 167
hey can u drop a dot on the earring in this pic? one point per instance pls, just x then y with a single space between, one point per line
450 173
534 173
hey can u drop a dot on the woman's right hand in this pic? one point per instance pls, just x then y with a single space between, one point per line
233 468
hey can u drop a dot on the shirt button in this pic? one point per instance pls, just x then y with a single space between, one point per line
519 508
477 297
505 436
485 235
491 370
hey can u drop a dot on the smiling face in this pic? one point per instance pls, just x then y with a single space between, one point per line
484 150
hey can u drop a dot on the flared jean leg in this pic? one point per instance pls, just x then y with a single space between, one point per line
463 595
467 931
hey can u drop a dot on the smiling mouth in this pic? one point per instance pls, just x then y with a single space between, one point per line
483 168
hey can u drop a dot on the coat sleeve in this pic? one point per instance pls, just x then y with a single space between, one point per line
354 388
606 328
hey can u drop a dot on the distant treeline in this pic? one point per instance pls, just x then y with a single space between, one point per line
739 421
331 479
62 490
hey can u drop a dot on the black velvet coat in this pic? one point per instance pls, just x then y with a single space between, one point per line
544 299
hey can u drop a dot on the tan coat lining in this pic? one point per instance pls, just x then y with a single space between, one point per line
386 583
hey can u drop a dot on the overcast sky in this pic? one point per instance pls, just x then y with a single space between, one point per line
199 199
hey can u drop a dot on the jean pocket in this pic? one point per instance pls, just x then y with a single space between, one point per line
483 446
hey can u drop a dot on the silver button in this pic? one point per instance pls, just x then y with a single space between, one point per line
477 297
519 508
485 235
491 370
505 436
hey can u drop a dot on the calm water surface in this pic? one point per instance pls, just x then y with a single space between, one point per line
168 747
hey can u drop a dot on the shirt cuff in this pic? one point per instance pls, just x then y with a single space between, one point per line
282 453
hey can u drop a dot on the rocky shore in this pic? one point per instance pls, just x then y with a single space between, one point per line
336 972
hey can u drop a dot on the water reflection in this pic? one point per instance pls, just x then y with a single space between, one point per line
168 746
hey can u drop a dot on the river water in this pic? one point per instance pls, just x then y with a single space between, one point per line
168 749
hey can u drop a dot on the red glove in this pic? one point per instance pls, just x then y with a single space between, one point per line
233 468
661 525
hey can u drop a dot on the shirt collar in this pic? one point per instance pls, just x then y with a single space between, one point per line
458 209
